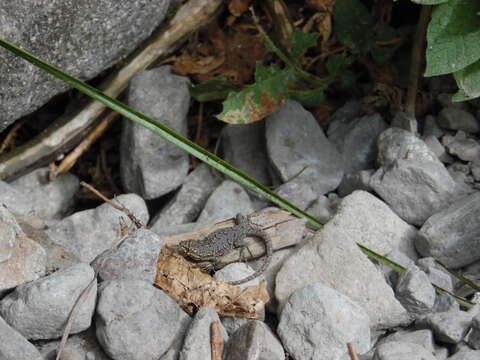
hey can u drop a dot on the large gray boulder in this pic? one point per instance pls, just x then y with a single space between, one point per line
83 38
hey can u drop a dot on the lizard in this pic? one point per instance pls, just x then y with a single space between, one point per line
223 241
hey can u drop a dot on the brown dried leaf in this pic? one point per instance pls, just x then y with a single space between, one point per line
232 54
192 289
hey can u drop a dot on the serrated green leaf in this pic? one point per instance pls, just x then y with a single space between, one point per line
468 81
256 101
215 89
353 24
301 42
453 37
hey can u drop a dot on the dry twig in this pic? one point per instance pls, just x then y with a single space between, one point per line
70 160
352 352
8 142
216 341
119 207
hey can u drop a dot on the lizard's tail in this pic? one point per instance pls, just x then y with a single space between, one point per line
268 256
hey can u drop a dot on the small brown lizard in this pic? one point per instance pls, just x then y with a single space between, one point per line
223 241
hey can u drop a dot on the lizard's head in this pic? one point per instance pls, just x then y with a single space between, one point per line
191 249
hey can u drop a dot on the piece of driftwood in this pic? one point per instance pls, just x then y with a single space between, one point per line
284 229
67 131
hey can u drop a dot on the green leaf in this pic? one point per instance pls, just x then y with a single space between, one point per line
301 42
453 37
213 89
353 24
468 81
256 101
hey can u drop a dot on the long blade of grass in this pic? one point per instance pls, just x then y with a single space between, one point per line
167 133
190 147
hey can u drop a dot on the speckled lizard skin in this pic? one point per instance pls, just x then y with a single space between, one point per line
222 241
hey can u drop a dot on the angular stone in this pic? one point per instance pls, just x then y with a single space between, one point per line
368 221
474 335
423 337
244 148
57 257
197 343
225 202
14 200
332 258
356 140
295 143
396 350
416 190
449 327
86 234
187 204
356 181
436 274
458 119
445 302
322 209
136 258
26 263
137 321
8 241
463 147
40 309
466 355
81 42
82 346
150 165
299 190
453 234
439 150
415 292
49 199
317 321
396 144
254 341
13 346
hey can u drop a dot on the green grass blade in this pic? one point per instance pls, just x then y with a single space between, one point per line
190 147
167 133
